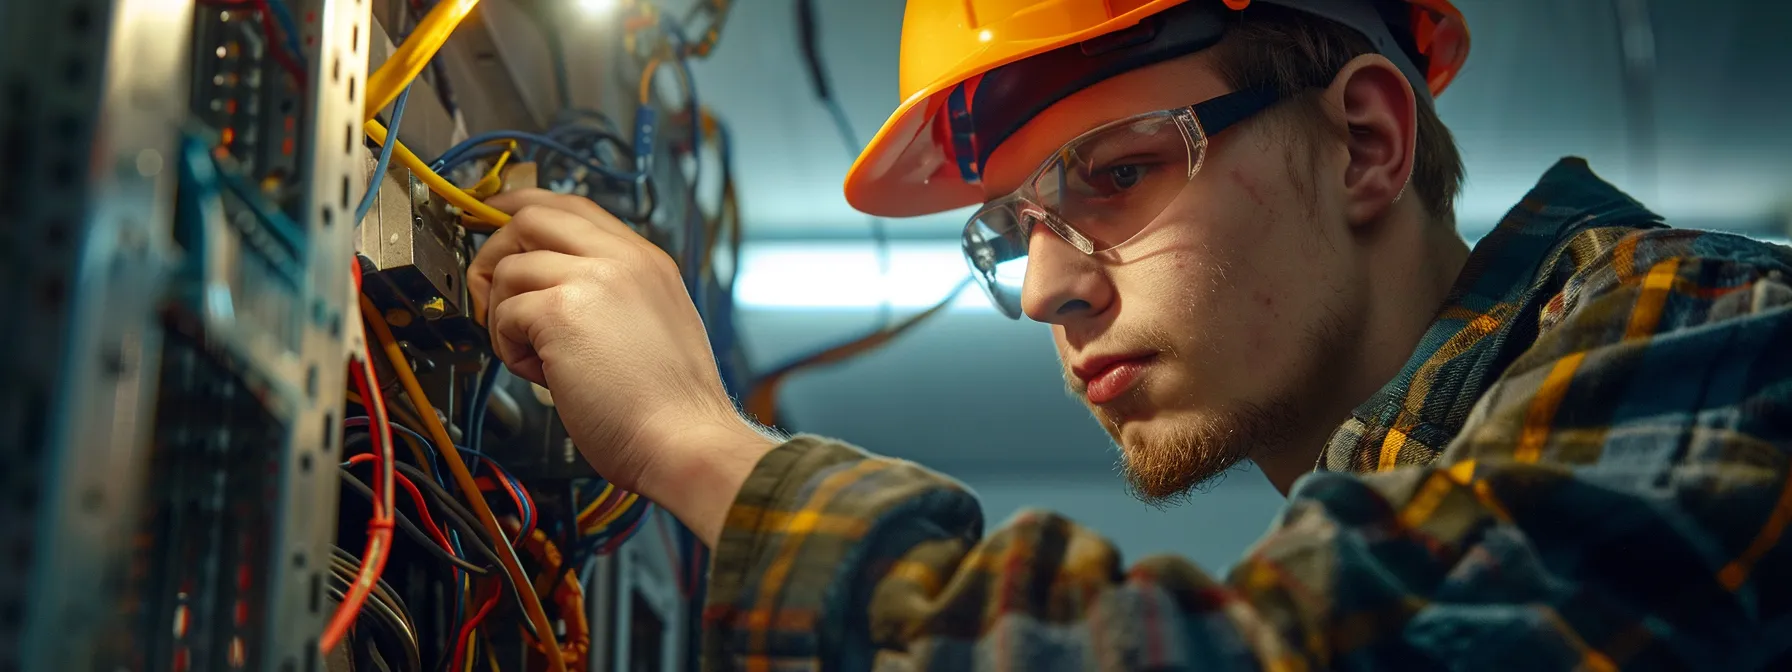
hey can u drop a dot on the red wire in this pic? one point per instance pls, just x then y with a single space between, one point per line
379 529
417 500
466 630
617 541
518 495
616 497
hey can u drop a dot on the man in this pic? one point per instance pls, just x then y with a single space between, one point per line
1564 449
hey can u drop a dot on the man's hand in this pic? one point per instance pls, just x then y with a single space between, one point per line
579 303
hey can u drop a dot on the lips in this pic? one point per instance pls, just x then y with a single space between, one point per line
1106 378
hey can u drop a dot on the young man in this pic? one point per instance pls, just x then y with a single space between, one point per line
1564 449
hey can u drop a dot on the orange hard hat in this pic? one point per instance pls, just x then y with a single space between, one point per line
926 159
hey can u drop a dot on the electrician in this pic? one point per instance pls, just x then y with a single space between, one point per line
1566 448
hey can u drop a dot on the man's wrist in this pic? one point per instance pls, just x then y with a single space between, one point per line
705 471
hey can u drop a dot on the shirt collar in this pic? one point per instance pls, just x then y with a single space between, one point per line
1489 318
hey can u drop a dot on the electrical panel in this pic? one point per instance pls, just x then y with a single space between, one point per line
195 420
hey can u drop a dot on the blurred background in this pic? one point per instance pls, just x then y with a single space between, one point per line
1683 103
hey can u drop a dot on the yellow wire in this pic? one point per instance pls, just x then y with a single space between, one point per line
464 480
593 507
410 58
491 656
627 503
653 65
454 195
493 180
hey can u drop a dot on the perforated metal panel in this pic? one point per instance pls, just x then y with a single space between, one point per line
335 36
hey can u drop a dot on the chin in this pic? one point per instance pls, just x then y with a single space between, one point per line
1166 457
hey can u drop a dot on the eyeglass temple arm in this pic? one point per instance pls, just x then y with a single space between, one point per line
1217 114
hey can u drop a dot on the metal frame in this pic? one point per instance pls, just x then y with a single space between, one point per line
640 567
336 56
94 91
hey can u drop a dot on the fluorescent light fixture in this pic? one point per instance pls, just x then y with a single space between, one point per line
597 7
846 276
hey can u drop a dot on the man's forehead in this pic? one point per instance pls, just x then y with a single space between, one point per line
1173 83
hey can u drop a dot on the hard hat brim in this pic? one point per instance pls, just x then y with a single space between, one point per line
903 173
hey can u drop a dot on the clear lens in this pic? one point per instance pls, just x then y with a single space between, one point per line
1110 184
995 244
1097 193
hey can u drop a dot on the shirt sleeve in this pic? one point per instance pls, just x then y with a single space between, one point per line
1617 500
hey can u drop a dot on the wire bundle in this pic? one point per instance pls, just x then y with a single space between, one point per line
383 608
610 519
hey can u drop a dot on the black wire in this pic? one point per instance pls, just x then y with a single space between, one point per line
809 39
473 536
477 537
385 617
348 561
447 507
347 569
383 604
415 533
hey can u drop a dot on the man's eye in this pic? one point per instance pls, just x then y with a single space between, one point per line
1115 179
1121 178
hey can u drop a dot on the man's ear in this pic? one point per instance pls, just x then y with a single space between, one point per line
1379 111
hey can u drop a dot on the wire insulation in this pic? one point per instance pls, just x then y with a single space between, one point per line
464 479
411 57
379 528
438 184
384 163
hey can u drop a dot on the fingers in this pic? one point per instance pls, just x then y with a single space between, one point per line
519 274
545 226
515 201
513 325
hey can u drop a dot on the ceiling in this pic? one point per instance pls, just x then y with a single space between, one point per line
974 393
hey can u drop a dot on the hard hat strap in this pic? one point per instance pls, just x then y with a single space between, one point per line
1007 97
983 112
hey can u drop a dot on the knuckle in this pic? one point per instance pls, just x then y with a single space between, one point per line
505 266
660 260
606 272
564 301
529 216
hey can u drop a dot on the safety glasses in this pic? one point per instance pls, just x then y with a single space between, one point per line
1100 190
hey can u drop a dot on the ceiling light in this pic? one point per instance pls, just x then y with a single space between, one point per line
597 7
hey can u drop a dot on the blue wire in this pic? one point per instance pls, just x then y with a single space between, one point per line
479 402
379 169
452 156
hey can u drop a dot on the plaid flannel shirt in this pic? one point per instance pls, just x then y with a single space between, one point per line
1583 465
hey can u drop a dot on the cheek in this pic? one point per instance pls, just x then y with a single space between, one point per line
1238 277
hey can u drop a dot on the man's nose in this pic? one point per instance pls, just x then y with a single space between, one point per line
1062 283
